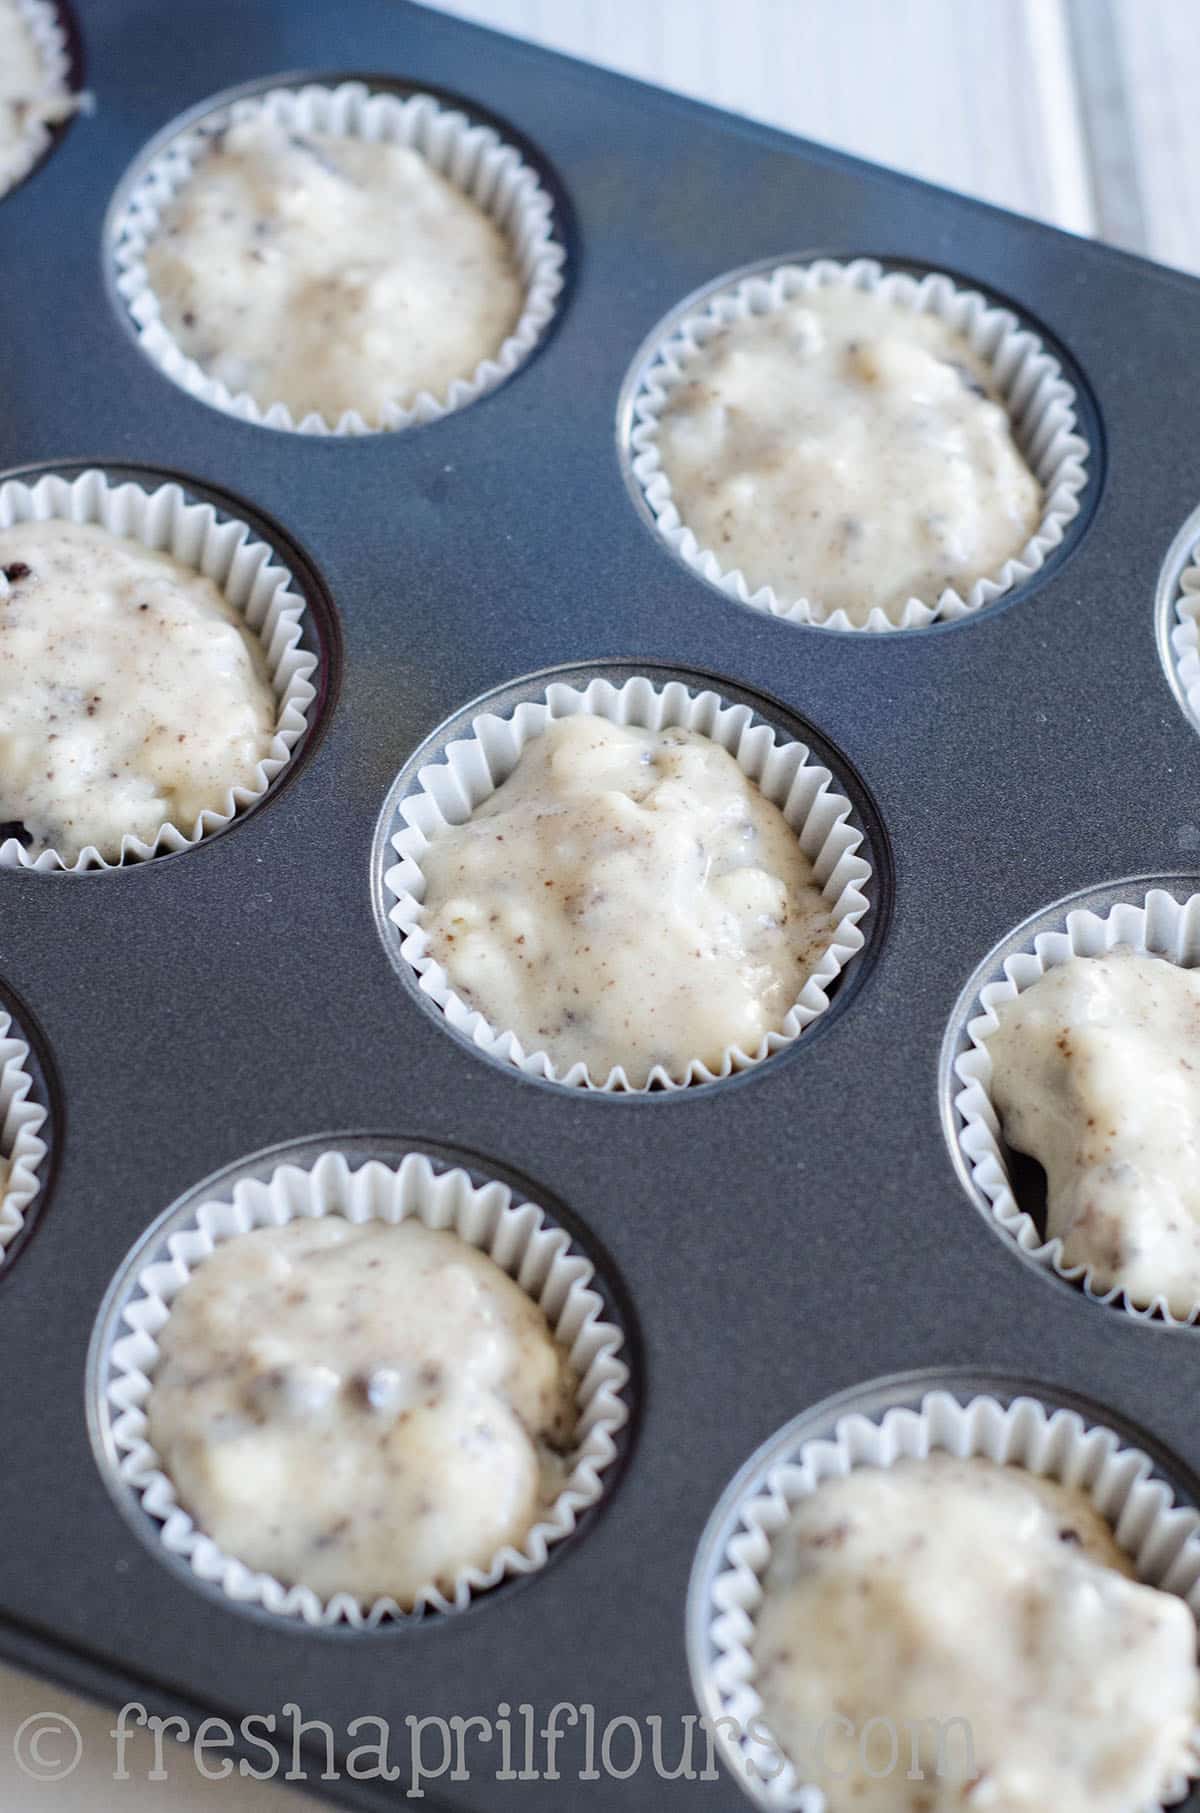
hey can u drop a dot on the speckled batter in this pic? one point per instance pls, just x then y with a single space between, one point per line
626 897
31 100
360 1408
849 451
960 1590
330 274
131 692
1096 1072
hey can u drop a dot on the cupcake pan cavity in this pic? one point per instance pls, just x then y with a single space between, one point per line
1154 1517
784 767
1043 403
469 152
768 1239
1160 919
360 1187
247 572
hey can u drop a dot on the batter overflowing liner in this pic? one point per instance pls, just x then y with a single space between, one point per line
1096 1074
989 1618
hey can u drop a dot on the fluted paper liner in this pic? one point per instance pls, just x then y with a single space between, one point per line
471 156
1040 402
244 570
1154 924
538 1255
45 27
1185 633
449 791
1161 1538
21 1120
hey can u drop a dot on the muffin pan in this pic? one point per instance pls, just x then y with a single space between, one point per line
770 1239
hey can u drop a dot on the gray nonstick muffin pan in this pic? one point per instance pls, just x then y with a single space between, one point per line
797 1233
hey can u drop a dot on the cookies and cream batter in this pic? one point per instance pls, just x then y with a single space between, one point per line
131 692
849 451
360 1408
1096 1073
31 100
330 274
958 1590
626 897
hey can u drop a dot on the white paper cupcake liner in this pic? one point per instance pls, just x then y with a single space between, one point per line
536 1254
450 791
244 569
21 1121
1185 628
471 156
1154 923
1040 402
1161 1538
50 40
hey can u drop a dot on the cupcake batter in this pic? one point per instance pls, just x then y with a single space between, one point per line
330 274
31 101
626 897
961 1590
131 692
1096 1073
361 1408
849 451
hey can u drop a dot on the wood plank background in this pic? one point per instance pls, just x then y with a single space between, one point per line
1085 113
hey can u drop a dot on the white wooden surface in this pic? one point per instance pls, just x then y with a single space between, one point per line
900 81
1159 46
988 96
995 97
